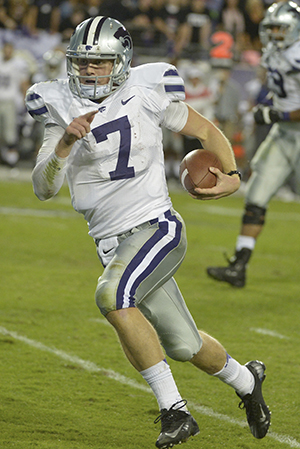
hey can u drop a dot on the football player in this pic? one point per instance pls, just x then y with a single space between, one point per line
103 132
279 154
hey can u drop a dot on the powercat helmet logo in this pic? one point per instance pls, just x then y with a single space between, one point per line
124 37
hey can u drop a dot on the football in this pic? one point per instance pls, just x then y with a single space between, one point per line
194 170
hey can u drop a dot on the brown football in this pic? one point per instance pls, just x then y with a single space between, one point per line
194 170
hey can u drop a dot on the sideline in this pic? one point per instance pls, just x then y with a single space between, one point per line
93 368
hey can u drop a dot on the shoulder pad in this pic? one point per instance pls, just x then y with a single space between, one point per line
161 76
49 102
292 54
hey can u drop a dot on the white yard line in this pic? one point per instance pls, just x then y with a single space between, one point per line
268 332
92 367
213 210
85 364
45 213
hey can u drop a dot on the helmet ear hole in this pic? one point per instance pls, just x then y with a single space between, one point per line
119 64
100 38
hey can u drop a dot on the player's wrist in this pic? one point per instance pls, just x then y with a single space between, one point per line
68 140
62 151
278 116
235 172
64 146
266 115
286 116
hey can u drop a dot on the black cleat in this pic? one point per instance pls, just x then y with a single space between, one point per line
176 426
230 274
258 413
235 273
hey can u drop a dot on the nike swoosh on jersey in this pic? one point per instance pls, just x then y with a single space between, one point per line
126 101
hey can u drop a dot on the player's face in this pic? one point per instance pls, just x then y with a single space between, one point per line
278 32
94 67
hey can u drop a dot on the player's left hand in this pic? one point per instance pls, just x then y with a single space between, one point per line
226 185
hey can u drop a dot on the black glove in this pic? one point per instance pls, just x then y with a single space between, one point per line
264 115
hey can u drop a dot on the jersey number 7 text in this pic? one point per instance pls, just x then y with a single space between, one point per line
122 126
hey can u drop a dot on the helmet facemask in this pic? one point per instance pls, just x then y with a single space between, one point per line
278 34
93 90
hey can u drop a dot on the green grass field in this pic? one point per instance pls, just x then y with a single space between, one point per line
65 383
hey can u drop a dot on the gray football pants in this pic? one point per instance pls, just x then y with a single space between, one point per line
276 159
140 274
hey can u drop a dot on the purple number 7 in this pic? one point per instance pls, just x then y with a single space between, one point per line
122 126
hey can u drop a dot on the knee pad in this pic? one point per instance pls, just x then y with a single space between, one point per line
254 215
104 296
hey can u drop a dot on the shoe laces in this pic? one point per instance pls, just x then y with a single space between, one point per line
231 260
235 263
242 404
251 405
169 415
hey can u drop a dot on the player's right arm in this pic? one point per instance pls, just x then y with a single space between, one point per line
49 172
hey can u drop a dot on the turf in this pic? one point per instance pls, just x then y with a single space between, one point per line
65 383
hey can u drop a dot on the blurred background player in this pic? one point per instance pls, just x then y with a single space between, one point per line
14 81
279 155
51 67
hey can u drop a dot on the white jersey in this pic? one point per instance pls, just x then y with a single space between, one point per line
283 76
116 173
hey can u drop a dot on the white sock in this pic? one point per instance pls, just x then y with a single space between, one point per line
160 379
244 241
237 376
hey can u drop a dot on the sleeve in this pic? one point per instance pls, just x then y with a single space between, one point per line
49 172
176 116
173 85
37 107
50 102
167 86
293 58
